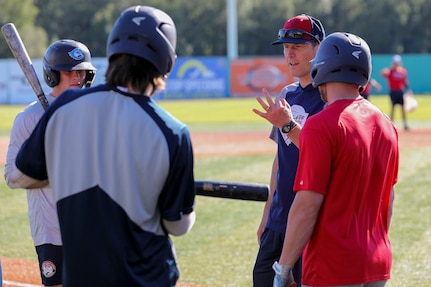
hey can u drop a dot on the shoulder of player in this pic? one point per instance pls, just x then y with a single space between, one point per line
333 114
326 117
295 92
33 110
289 88
85 94
165 118
26 120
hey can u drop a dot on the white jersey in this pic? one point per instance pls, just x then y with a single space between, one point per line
42 210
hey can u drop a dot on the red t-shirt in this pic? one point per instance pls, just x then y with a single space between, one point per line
397 79
349 153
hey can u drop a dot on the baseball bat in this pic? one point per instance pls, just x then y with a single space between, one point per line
18 49
233 190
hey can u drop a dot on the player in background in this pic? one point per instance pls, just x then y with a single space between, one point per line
371 84
300 37
348 166
66 65
398 84
120 166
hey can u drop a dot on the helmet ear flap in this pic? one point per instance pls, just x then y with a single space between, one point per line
90 75
51 77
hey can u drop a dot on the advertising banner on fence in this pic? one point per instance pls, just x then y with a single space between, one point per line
191 77
249 76
14 87
198 77
210 77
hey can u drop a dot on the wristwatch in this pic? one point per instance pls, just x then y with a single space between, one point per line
288 127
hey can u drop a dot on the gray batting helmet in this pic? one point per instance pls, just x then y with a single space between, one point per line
67 55
145 32
342 57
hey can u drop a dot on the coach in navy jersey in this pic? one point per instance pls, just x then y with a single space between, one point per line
120 166
300 37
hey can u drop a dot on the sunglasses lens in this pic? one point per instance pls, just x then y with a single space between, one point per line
295 34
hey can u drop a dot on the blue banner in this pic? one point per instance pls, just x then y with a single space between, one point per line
198 77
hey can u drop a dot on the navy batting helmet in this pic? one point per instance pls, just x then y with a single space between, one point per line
147 33
342 57
67 55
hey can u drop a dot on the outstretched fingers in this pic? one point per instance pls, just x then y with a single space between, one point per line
265 105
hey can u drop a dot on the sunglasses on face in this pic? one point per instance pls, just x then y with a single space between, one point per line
294 34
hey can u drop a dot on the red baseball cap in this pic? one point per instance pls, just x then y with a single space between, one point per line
301 29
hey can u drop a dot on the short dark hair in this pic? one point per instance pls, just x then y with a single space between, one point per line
125 69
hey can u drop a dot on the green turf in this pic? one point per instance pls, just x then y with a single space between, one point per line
233 114
240 109
221 248
7 115
15 238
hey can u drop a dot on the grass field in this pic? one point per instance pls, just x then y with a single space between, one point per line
221 248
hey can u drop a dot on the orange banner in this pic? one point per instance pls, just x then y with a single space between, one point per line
249 76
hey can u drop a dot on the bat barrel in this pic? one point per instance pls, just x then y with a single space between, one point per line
18 49
233 190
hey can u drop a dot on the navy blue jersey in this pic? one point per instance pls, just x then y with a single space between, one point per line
118 164
304 102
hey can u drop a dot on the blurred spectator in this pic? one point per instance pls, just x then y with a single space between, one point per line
398 85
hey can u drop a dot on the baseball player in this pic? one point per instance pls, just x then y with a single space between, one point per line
300 37
120 166
398 82
66 65
348 166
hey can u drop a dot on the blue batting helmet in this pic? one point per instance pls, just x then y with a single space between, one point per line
145 32
342 57
67 55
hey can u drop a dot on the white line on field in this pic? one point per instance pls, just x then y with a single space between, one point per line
7 283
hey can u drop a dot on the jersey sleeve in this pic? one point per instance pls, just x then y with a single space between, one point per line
22 128
178 195
31 157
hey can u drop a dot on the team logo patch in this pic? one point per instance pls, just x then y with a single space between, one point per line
48 269
356 54
138 20
76 54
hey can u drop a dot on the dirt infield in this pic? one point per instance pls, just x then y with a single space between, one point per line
255 143
24 273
